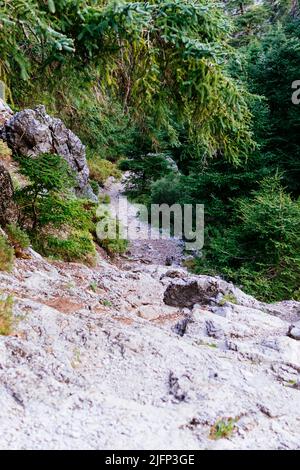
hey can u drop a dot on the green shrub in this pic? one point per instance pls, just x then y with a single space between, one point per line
168 190
56 210
75 246
100 170
145 169
49 175
59 224
261 251
95 186
6 315
17 237
109 232
6 255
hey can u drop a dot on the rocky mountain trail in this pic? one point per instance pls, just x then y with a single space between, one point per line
147 244
114 342
98 360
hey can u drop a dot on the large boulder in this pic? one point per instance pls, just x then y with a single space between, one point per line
7 207
32 132
188 292
202 290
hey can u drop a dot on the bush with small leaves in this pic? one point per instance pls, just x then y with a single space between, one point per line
101 169
261 252
74 246
18 239
59 224
109 232
6 255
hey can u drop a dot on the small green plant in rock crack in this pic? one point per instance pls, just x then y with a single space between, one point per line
228 298
292 384
203 343
93 286
104 198
106 303
6 315
76 361
5 152
70 285
223 428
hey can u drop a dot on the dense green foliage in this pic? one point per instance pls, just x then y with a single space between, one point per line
145 84
59 224
261 248
17 237
243 213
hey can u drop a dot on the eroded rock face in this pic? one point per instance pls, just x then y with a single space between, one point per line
7 208
32 132
77 374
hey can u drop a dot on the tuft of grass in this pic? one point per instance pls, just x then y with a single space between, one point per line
6 315
104 199
70 285
228 298
5 152
106 303
223 428
93 286
189 263
291 383
6 255
95 187
76 361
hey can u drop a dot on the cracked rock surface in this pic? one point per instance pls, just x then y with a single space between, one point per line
98 360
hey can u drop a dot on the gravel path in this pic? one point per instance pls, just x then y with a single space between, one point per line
145 250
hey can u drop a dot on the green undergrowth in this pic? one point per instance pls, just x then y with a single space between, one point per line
6 315
6 254
109 231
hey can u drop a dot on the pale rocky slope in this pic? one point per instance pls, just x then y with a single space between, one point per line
99 361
